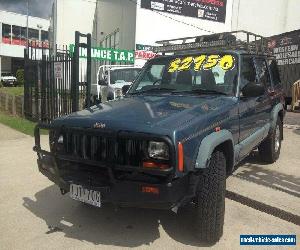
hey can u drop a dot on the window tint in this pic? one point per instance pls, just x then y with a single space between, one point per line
274 71
247 71
262 72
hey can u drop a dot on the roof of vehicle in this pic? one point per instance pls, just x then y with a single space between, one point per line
238 42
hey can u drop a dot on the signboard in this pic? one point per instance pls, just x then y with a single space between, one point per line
58 70
213 10
144 52
286 48
106 54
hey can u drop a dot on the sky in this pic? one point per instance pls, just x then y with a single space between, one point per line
38 8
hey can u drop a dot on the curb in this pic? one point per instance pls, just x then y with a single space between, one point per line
291 126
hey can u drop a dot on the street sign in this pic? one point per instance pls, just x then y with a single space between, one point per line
58 70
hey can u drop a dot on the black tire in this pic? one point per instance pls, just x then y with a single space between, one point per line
210 200
269 149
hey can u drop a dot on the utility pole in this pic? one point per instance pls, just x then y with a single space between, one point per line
27 40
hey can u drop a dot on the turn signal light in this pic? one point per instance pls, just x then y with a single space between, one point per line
180 157
151 190
155 165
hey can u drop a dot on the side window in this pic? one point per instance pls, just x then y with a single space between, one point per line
275 72
262 72
247 71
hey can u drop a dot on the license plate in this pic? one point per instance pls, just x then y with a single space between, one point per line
79 193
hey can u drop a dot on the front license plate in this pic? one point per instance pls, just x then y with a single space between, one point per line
79 193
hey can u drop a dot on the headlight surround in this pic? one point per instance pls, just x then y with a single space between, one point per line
158 150
118 92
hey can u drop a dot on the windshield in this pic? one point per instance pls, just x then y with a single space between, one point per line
203 73
6 74
126 75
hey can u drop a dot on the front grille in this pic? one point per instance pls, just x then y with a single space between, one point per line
102 148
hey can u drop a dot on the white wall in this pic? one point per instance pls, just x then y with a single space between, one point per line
266 17
73 15
152 26
293 15
117 14
20 20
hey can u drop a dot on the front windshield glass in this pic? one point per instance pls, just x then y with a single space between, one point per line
126 75
203 73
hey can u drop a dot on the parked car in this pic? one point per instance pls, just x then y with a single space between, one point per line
110 81
8 80
188 119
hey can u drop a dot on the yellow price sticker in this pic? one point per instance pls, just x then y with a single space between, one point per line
206 62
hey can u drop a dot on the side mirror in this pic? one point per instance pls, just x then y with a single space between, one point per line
102 82
125 88
253 90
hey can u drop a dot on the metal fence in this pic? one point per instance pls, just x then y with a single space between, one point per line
56 81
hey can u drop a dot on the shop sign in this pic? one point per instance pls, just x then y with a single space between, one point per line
286 48
213 10
106 54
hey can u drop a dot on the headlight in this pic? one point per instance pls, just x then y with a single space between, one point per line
118 92
158 150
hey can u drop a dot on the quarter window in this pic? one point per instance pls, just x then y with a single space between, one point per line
262 72
275 72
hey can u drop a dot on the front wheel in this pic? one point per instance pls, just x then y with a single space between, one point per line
210 200
269 149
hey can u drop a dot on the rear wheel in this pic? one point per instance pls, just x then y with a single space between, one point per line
210 200
269 149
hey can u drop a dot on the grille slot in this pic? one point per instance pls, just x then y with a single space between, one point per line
122 151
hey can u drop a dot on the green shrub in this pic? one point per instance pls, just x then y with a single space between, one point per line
1 85
20 77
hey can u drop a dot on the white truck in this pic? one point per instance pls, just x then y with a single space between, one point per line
8 79
110 81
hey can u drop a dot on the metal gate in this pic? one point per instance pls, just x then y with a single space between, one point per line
57 82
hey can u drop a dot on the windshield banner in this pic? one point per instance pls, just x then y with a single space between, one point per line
106 54
206 62
213 10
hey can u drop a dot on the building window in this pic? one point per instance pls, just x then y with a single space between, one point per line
45 36
6 32
16 35
33 34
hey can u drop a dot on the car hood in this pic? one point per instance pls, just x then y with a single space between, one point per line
156 114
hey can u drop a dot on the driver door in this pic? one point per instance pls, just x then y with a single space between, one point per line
253 111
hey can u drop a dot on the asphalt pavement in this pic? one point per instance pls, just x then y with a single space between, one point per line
261 199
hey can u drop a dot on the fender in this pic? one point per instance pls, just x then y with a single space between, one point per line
274 115
208 144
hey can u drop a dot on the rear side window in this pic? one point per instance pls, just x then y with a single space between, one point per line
262 72
274 72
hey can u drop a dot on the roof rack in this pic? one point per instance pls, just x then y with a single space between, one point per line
241 39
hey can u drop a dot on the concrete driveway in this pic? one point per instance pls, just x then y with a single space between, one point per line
261 199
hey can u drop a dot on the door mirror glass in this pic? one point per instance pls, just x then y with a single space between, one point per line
253 90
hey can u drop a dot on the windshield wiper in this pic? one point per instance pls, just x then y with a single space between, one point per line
200 91
152 90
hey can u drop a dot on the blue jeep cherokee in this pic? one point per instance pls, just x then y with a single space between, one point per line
187 120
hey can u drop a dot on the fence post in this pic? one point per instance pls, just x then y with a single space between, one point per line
75 82
88 71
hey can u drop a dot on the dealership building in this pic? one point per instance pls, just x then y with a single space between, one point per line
13 40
